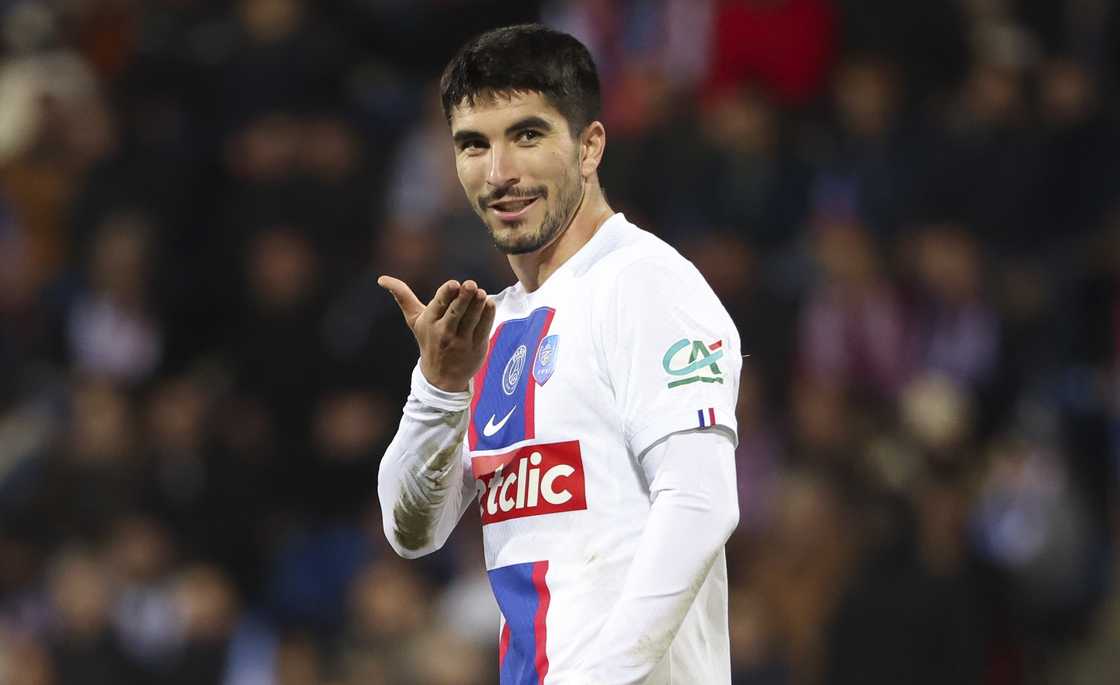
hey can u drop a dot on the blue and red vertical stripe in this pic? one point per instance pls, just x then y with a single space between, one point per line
707 417
523 596
493 399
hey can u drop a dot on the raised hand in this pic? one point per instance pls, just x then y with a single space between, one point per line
453 330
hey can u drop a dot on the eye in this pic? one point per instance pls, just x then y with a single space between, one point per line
528 136
472 145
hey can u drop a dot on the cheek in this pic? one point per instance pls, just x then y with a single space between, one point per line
553 168
471 174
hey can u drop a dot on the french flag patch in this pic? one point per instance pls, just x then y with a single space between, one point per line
707 417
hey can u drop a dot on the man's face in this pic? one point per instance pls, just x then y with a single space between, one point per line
520 168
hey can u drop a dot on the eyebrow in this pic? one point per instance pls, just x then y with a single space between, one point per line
463 136
527 123
531 122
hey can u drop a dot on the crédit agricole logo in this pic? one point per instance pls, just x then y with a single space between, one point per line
693 361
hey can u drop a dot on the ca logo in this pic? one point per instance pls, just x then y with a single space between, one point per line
698 366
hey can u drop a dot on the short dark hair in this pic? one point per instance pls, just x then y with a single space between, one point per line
525 58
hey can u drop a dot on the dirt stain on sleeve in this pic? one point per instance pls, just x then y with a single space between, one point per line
418 508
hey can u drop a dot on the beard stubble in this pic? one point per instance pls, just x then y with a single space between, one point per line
569 197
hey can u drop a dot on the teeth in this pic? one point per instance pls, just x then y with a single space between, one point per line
514 206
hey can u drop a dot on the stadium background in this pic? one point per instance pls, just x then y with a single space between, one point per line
910 208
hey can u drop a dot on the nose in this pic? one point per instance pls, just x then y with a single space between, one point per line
503 172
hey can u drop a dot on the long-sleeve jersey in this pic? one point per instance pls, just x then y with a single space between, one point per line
597 441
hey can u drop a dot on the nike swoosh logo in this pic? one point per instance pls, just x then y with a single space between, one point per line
491 428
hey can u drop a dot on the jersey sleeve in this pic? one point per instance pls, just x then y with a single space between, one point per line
671 352
424 481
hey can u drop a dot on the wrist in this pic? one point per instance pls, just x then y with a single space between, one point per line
434 396
443 383
449 386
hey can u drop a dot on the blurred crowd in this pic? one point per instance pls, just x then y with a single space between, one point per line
911 209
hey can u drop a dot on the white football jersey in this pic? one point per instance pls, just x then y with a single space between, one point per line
623 345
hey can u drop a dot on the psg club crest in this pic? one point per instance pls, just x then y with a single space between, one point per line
512 373
545 362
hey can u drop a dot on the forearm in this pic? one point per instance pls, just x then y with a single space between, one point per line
694 511
422 485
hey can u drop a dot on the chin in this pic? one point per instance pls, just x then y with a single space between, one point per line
520 249
517 246
516 238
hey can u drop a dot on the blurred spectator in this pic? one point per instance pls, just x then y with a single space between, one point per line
853 328
424 187
91 479
83 647
112 328
207 610
339 175
24 662
388 607
928 42
957 328
1079 148
276 351
176 422
989 159
313 571
824 429
866 166
755 646
145 618
275 54
655 135
298 661
913 613
800 572
1029 521
745 178
460 664
58 126
351 431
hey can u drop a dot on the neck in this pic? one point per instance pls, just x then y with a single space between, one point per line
533 268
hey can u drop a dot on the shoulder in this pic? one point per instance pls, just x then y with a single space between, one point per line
631 254
644 279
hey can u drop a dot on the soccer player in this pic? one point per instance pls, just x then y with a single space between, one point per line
588 410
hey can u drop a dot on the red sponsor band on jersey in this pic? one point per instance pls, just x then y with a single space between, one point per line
536 480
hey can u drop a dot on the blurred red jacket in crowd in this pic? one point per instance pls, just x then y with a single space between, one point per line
784 46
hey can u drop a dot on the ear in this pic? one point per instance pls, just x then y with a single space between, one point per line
592 143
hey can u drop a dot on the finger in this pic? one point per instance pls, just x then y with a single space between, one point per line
459 306
485 323
410 305
473 314
442 299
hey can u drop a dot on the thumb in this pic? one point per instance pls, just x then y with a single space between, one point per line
410 305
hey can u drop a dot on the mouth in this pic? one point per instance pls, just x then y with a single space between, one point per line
513 208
